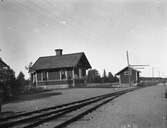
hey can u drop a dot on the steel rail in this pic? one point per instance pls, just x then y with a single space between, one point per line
73 108
54 112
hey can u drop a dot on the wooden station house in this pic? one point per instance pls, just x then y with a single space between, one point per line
60 70
128 76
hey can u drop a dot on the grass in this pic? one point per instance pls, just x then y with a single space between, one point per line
101 85
31 94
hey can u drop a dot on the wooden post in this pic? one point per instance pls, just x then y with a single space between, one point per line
66 75
1 99
129 69
136 77
129 74
36 79
73 74
152 74
80 73
47 76
60 75
42 76
120 80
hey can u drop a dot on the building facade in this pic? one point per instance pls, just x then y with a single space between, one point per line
128 76
68 70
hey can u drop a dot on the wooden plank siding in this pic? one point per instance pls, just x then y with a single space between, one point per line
62 76
124 76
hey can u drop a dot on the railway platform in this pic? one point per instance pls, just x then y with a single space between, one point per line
143 108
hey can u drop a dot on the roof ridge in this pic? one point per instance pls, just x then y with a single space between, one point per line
63 54
3 62
66 60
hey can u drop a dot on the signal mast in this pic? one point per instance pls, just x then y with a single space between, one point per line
132 66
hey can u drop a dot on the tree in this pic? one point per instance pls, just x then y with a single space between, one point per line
21 78
7 82
104 78
93 76
110 77
28 68
116 79
20 83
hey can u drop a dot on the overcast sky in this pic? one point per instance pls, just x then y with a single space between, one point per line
103 29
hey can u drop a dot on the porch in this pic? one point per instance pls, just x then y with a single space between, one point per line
69 77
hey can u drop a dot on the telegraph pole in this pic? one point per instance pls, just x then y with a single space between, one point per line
1 94
129 69
159 73
127 55
152 72
132 66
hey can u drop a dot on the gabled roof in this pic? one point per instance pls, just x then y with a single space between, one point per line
3 64
126 68
63 61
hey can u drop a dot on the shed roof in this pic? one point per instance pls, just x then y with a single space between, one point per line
126 68
63 61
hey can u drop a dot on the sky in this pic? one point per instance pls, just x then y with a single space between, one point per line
103 29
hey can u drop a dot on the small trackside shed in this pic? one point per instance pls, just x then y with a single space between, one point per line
128 75
68 70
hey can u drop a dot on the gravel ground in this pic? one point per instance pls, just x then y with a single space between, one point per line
67 95
144 108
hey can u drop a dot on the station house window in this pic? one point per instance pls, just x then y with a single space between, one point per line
63 75
69 75
126 73
39 76
54 75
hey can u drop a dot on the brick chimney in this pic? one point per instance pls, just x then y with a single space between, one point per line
59 52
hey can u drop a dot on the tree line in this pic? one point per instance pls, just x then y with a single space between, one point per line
95 77
14 85
10 84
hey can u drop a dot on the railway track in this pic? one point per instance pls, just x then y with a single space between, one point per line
58 116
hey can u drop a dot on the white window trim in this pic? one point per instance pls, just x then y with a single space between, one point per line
41 77
126 73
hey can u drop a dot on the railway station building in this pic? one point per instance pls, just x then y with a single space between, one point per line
128 76
60 70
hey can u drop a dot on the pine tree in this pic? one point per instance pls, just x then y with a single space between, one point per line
110 77
104 78
93 76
